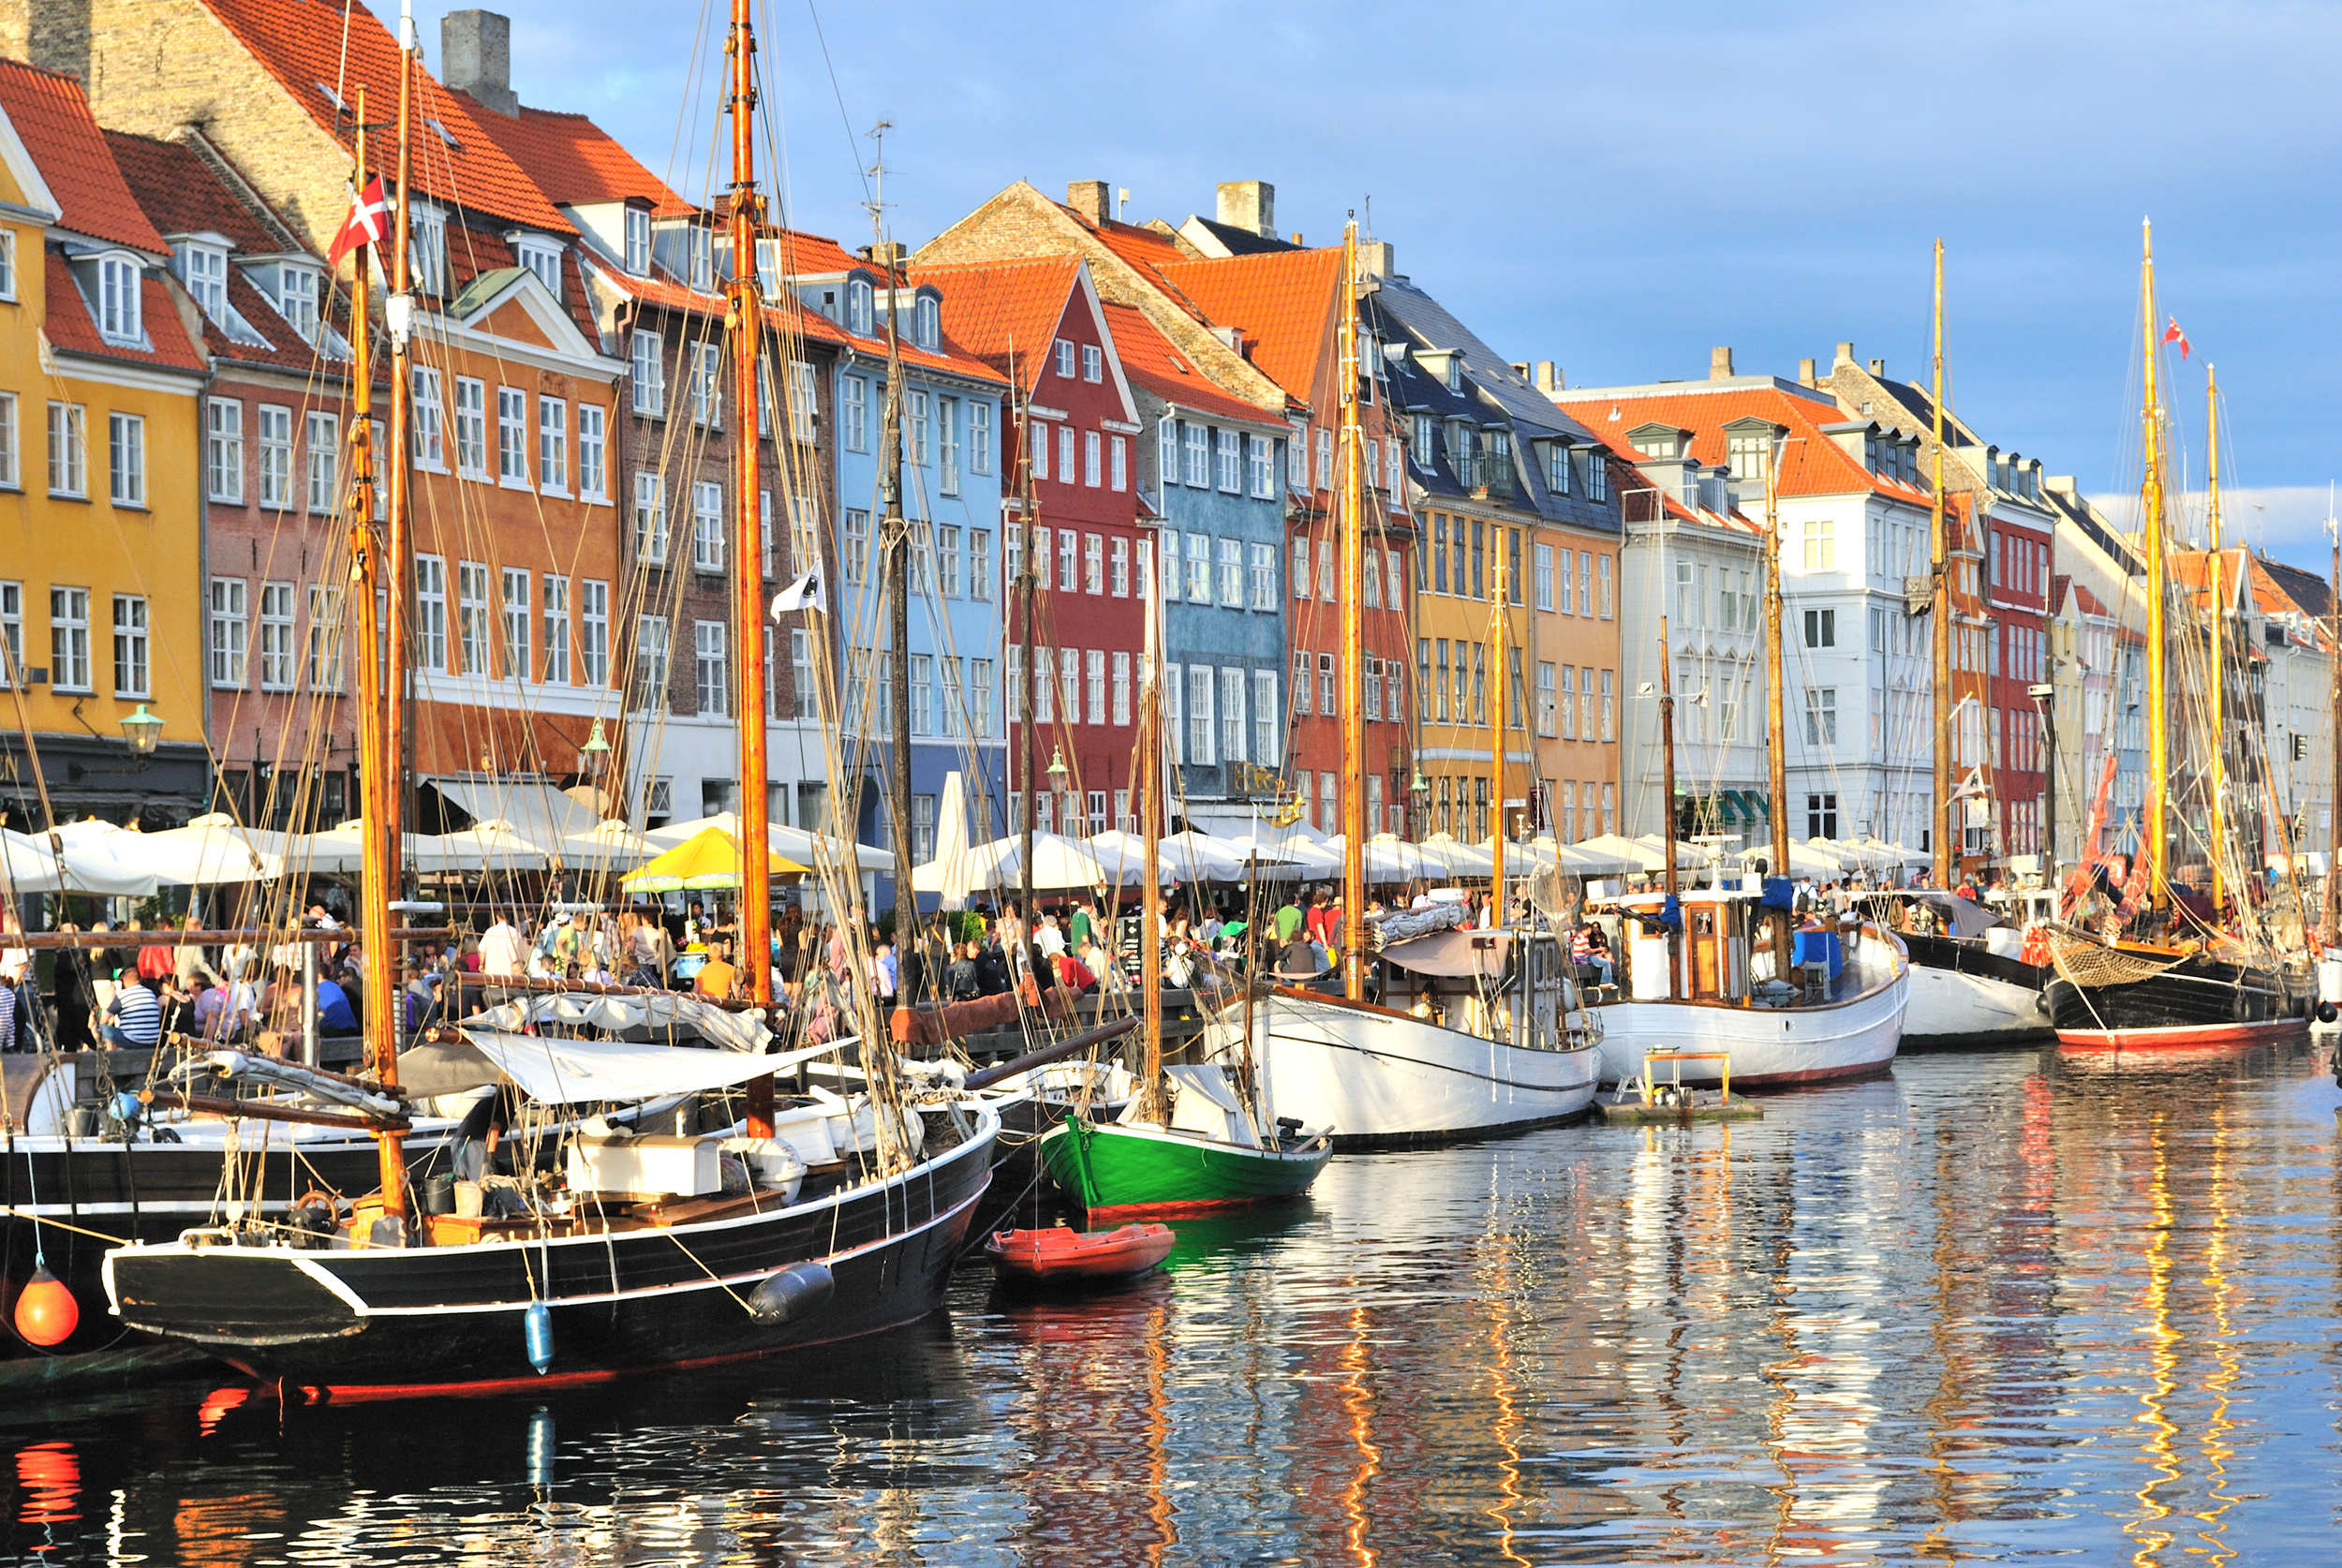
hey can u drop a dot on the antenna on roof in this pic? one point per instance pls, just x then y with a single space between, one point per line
877 204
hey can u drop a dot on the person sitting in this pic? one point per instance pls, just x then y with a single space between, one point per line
717 979
1299 959
1073 974
133 1019
335 1015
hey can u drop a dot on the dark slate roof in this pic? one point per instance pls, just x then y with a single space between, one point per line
2305 588
1244 242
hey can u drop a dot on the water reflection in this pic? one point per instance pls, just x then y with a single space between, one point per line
1997 1306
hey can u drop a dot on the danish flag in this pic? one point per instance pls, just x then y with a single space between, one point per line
367 223
2172 334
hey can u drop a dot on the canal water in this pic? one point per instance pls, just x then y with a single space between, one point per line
1989 1309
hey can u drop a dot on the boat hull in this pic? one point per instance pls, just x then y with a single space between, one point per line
2198 1004
1382 1079
1060 1254
421 1321
1116 1172
1965 997
1770 1047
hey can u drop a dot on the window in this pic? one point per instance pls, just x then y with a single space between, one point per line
1065 455
1040 445
1439 553
68 639
1065 358
707 527
1069 670
857 546
707 388
1546 698
556 630
1230 454
1093 362
430 614
1121 687
1068 542
471 615
1089 459
1093 563
855 398
545 259
1610 705
1095 685
8 264
980 563
430 452
131 645
1821 816
1373 704
1198 469
1198 589
230 631
650 659
859 307
1013 682
593 632
324 656
1261 467
1821 550
1326 583
916 422
125 456
1265 710
517 663
1821 629
553 445
1329 701
1300 569
1557 469
1119 577
204 270
1146 568
1543 559
1302 683
275 431
947 434
119 318
1202 734
1232 573
980 437
979 696
277 637
1821 715
1325 460
10 476
638 240
650 518
1585 581
712 667
593 473
1263 558
1569 703
801 676
1232 727
68 451
650 383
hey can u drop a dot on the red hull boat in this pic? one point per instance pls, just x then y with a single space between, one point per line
1061 1253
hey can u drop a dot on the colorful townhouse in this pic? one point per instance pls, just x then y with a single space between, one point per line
1853 526
1074 537
275 479
102 368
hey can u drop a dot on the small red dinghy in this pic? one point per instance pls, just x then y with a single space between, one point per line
1061 1253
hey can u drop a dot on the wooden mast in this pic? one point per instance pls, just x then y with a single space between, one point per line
1776 762
1149 762
2151 547
1498 657
1948 822
744 322
1666 788
378 774
1028 584
1353 636
2220 617
2333 713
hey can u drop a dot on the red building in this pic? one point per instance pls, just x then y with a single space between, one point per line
1075 429
2016 598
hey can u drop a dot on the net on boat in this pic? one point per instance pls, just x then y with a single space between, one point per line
2082 962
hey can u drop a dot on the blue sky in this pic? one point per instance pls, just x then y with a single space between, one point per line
1620 189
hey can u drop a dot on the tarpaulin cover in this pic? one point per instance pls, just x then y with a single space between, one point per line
581 1072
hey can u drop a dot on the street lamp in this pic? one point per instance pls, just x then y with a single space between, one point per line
143 732
595 750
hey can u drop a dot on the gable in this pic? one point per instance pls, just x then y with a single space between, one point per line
21 184
513 322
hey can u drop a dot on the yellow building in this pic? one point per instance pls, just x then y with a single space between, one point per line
100 522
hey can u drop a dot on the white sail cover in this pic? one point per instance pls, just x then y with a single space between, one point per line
581 1072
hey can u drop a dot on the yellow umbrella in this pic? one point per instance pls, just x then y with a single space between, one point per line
709 859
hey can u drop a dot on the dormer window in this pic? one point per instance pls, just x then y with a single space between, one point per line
119 319
204 270
638 242
1455 373
426 245
297 300
768 268
543 257
928 329
702 256
1556 469
858 307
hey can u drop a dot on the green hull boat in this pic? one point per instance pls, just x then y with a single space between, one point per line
1116 1172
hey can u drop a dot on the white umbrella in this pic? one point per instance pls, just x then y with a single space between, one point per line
998 866
1199 857
951 843
1296 845
483 847
30 865
610 846
338 852
207 852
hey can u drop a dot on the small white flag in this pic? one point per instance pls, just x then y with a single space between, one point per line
803 594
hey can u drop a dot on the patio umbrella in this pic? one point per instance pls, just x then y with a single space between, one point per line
709 859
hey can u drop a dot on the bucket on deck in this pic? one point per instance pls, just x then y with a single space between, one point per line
466 1194
438 1195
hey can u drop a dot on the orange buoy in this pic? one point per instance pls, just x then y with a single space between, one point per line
46 1312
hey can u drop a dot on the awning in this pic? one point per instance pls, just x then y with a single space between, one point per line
1458 954
537 812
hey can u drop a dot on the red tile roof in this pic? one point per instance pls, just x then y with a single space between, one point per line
806 255
1811 465
303 47
179 192
70 328
573 161
52 119
1282 301
1141 247
1005 313
1149 360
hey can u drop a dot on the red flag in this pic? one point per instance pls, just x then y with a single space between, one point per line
368 221
2172 334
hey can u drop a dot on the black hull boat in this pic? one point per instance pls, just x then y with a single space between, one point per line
2196 1003
341 1324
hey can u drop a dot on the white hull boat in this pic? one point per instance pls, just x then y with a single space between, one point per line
1961 1011
1384 1077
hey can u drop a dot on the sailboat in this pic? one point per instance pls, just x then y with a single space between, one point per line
837 1216
1702 979
1476 1032
2176 989
1194 1139
1970 982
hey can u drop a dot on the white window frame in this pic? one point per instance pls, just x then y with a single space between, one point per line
593 632
517 616
121 314
8 264
557 628
1233 731
1261 467
429 433
11 468
979 436
1263 570
133 646
553 445
204 271
277 611
430 631
321 650
68 451
229 646
68 639
473 633
636 259
707 525
650 517
1121 678
593 453
126 460
513 437
542 258
297 300
649 375
272 443
711 668
1266 711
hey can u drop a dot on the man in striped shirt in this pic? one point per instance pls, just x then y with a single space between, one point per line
133 1020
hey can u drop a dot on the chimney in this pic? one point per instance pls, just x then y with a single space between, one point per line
1805 372
1879 368
1249 204
476 59
1844 357
1378 258
886 252
1719 365
1549 376
1088 197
